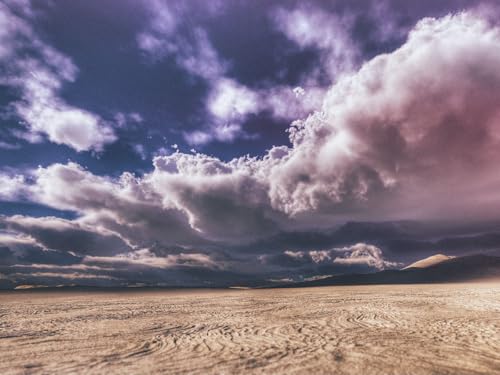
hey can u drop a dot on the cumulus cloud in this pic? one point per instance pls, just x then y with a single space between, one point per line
377 146
397 139
413 132
394 135
38 72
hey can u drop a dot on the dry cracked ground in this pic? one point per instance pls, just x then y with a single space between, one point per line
417 329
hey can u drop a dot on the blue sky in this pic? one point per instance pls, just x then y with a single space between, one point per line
215 142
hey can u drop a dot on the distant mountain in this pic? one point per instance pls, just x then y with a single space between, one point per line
467 268
429 261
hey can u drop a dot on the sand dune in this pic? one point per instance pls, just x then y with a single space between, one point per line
429 261
424 329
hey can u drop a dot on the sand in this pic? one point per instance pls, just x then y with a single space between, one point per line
430 261
418 329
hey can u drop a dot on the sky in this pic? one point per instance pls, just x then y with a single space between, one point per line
223 143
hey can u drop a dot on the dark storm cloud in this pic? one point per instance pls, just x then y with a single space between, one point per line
25 250
54 233
461 245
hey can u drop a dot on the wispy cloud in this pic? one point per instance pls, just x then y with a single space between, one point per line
230 103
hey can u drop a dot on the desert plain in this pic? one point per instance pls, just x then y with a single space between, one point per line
392 329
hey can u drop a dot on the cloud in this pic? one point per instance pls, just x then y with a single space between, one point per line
398 139
223 201
328 33
11 186
139 268
38 72
165 36
228 106
413 134
387 22
124 207
64 235
24 249
162 38
147 258
363 254
392 136
164 22
360 257
23 261
229 103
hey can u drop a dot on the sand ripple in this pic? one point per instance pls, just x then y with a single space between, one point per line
445 329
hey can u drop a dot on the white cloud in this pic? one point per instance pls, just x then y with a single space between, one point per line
162 38
127 120
377 146
12 187
228 104
329 33
200 57
198 137
64 124
230 101
38 72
